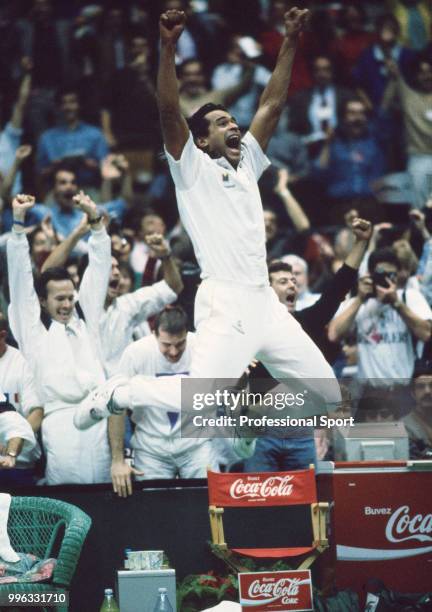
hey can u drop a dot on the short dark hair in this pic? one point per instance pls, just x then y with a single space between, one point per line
83 262
278 266
64 167
72 260
32 235
172 320
198 124
357 6
318 56
127 270
385 255
344 105
187 62
67 91
52 274
386 19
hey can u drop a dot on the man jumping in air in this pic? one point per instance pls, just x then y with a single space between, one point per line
215 171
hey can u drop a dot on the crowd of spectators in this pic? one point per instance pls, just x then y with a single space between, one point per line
78 111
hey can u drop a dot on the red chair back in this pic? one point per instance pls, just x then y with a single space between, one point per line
251 489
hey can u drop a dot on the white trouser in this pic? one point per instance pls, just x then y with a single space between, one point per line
161 457
74 456
235 324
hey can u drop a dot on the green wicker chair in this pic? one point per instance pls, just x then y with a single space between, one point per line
35 525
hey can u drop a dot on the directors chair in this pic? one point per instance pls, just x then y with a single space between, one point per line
267 515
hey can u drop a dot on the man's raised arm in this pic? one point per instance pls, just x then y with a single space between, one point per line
175 130
274 95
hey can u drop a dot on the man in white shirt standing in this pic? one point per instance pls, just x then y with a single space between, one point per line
160 452
18 385
61 348
215 171
122 313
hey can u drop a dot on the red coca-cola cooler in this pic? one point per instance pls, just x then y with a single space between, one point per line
381 524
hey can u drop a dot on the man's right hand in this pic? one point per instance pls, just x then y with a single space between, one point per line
365 288
23 152
121 476
171 26
295 21
86 204
362 229
20 205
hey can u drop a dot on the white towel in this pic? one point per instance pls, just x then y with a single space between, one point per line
7 553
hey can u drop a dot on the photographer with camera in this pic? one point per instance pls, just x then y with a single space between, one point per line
388 322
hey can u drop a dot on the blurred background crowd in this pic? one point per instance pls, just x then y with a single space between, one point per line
78 110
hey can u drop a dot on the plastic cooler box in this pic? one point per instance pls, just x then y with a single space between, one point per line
138 589
381 524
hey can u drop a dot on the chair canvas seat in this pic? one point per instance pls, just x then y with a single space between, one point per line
271 490
277 553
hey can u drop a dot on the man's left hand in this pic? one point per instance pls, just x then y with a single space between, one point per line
295 22
387 295
121 476
158 245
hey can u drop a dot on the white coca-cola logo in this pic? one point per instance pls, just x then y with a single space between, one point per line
402 527
274 486
285 587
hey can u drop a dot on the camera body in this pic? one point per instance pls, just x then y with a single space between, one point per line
380 278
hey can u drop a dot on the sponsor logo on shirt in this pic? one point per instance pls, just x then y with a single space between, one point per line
226 180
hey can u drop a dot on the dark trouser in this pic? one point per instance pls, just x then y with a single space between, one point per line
16 478
281 454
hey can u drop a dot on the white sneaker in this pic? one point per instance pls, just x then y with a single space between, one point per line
99 404
244 447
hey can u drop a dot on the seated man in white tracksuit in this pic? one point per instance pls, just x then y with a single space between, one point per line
159 450
18 385
215 171
61 348
17 443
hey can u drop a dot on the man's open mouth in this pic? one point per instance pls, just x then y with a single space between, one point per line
233 141
64 314
114 284
290 299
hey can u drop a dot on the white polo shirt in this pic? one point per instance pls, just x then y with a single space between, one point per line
221 210
144 357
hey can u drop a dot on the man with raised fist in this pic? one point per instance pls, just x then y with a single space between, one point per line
215 172
60 341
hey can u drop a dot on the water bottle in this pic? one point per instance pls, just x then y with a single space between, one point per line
126 554
109 603
162 603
